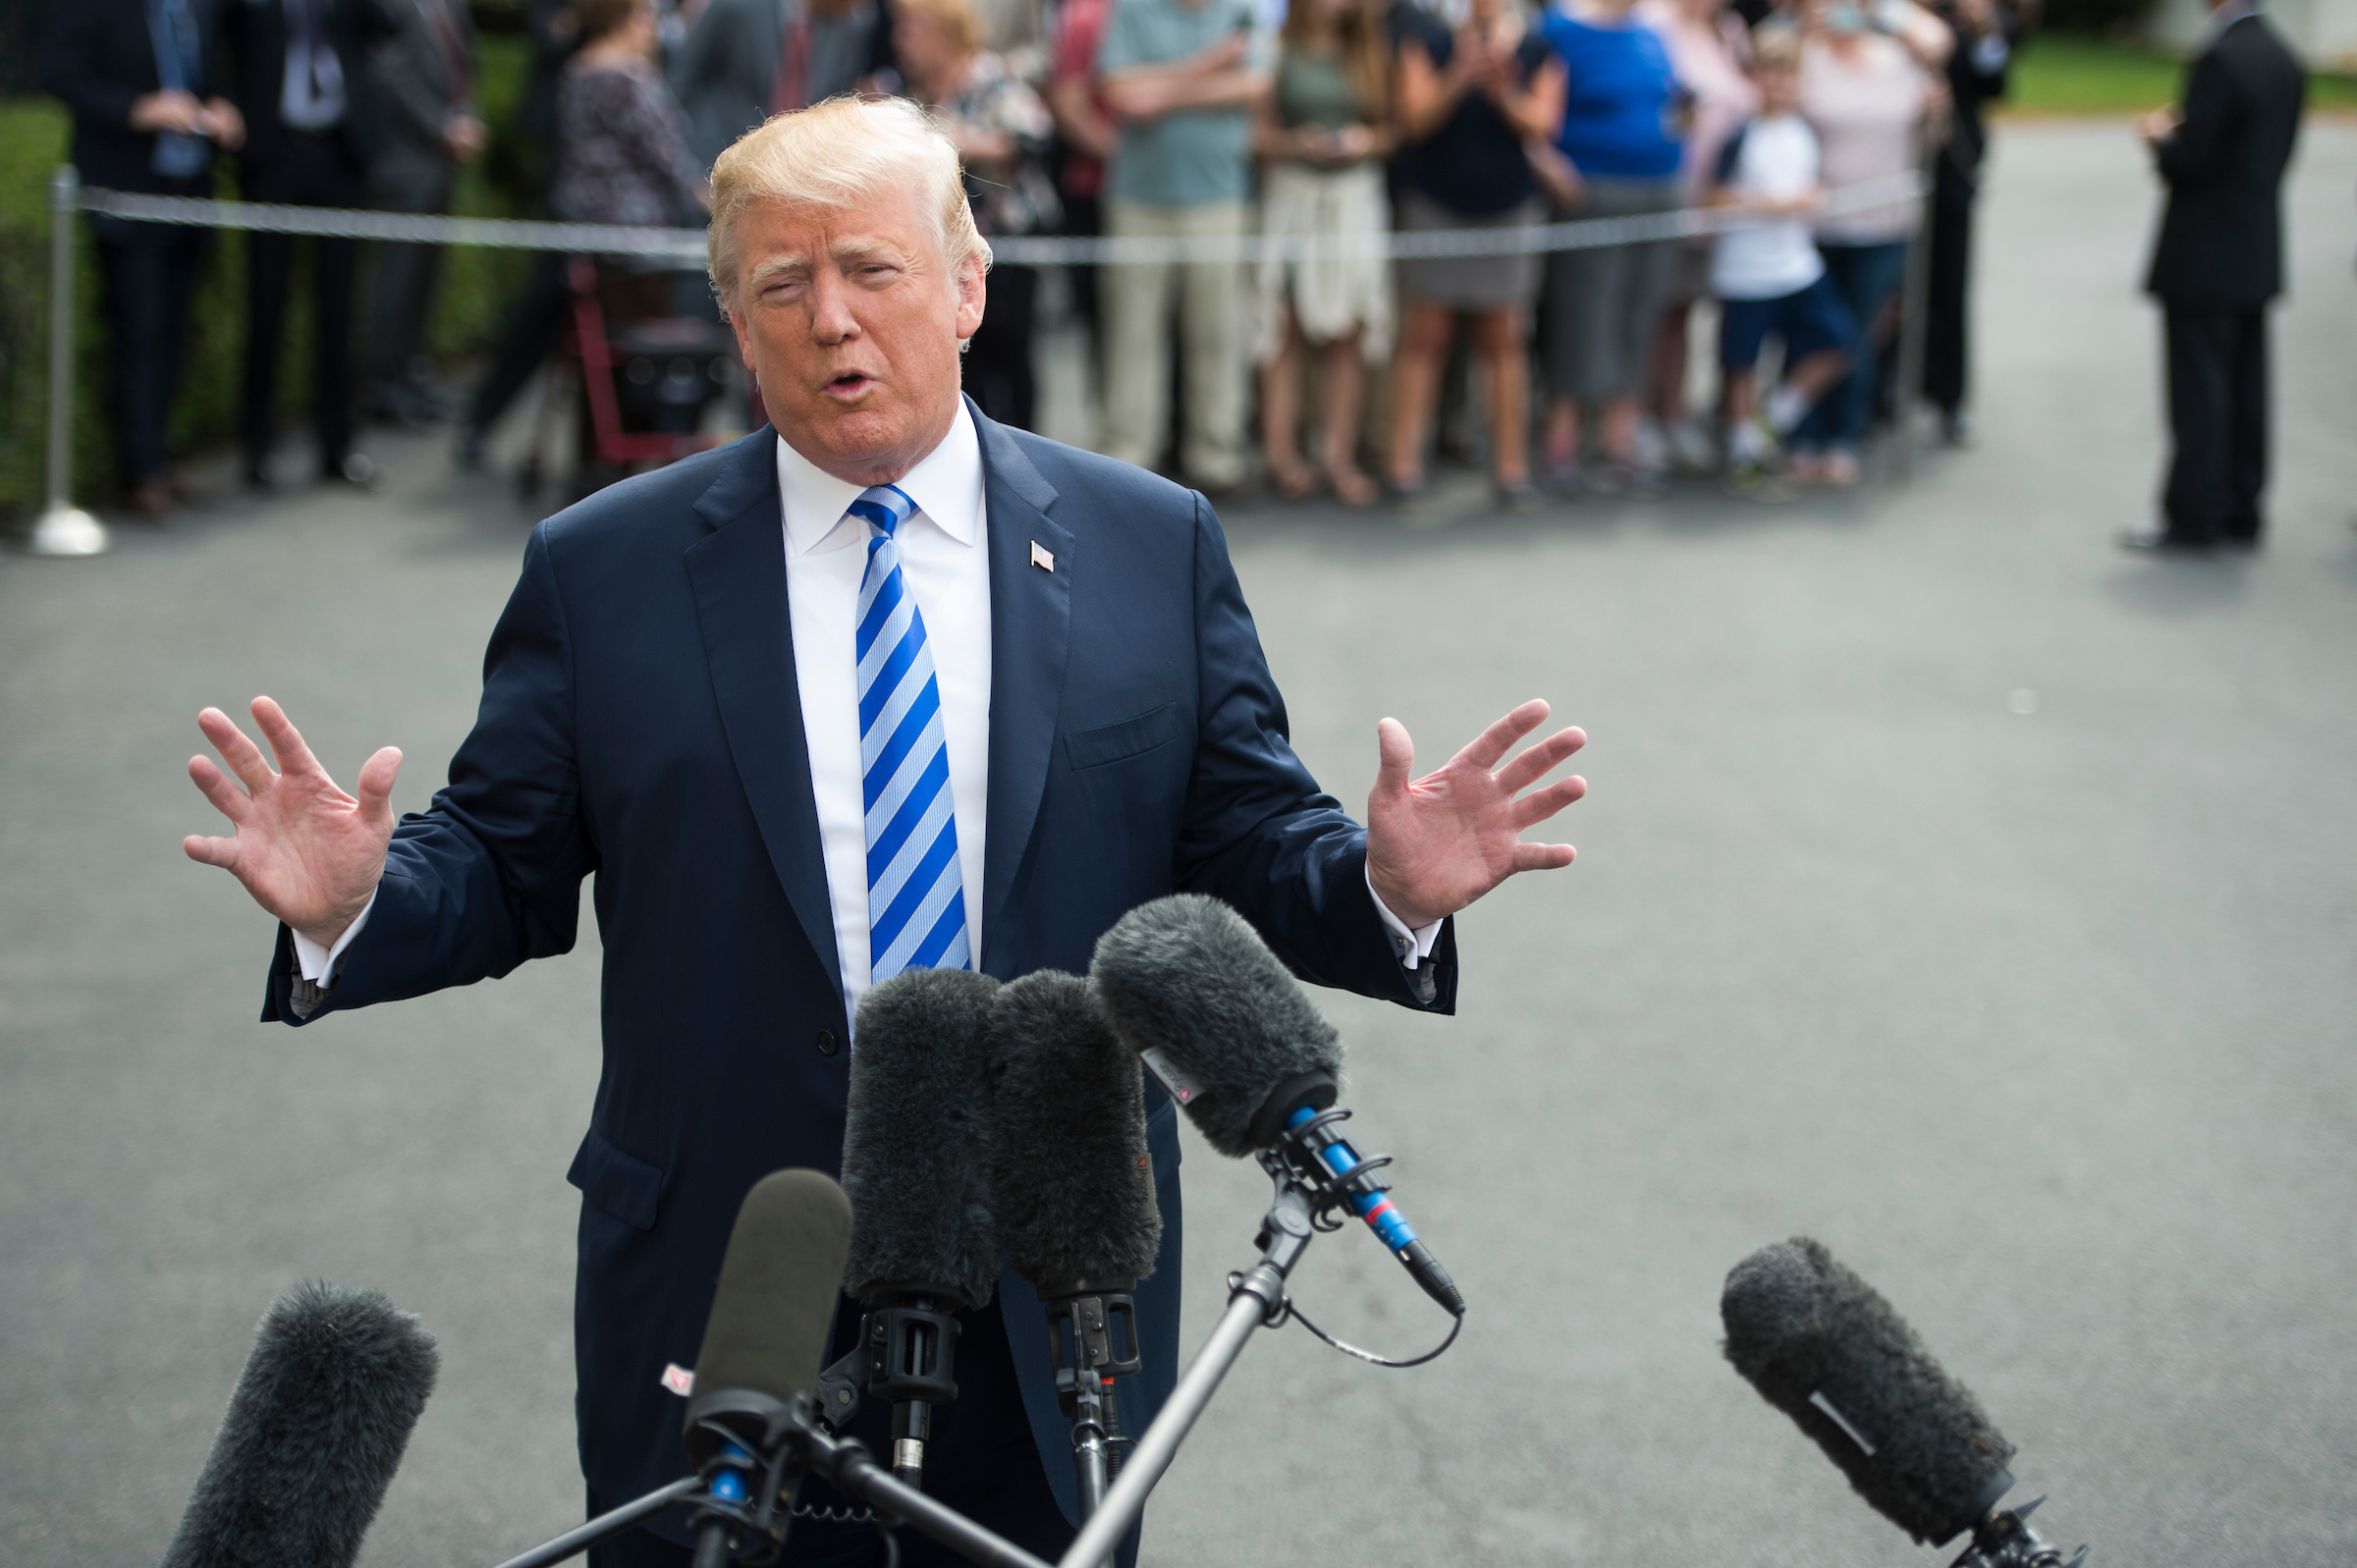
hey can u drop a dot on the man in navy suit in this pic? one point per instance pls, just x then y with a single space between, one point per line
892 685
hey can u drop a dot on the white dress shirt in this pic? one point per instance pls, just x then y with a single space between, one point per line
945 554
947 565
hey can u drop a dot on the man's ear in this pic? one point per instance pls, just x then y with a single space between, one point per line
973 293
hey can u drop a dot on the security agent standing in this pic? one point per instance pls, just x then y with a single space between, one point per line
890 686
293 68
1976 69
2218 263
146 119
419 123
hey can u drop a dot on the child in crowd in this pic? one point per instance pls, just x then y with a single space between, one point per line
1767 273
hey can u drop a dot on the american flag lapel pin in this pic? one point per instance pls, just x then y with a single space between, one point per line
1044 560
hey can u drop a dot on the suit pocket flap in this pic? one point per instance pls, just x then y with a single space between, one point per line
622 1184
1093 749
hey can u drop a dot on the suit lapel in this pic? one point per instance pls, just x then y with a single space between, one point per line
1030 637
739 575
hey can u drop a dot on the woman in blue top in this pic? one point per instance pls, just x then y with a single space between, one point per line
1623 123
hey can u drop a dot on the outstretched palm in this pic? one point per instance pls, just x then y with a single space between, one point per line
310 853
1437 843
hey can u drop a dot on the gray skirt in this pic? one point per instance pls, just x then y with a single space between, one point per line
1467 283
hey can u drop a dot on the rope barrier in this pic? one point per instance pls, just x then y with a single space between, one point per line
687 246
64 529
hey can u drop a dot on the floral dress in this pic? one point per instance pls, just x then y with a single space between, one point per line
995 99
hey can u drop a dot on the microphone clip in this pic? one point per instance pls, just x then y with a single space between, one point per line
2004 1539
910 1347
748 1447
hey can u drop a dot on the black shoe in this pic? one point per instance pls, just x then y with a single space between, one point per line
2153 538
467 451
1955 428
1516 499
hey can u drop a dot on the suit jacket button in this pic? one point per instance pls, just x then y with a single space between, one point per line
826 1042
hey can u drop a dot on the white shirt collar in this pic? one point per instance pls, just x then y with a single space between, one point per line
947 487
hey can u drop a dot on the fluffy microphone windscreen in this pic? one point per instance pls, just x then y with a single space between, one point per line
1809 1335
313 1433
774 1307
911 1154
1186 978
1070 1184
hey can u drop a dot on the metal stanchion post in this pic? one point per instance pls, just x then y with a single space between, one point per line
1911 325
64 529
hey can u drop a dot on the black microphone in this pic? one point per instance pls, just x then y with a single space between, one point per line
772 1312
1072 1185
312 1435
1820 1345
1072 1190
922 1242
1214 1015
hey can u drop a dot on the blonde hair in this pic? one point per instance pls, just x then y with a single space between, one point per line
958 15
1775 46
841 153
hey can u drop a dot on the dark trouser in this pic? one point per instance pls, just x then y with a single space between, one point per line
998 359
1947 292
1867 278
303 171
402 302
149 271
2217 422
982 1461
534 326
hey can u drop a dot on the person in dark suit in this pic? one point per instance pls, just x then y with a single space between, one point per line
685 698
1976 69
294 66
419 123
746 60
146 119
2218 263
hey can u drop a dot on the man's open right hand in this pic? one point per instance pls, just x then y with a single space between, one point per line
308 852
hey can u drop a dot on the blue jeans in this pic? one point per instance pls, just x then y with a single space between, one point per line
1866 277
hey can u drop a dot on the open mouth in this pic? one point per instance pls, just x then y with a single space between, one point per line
850 384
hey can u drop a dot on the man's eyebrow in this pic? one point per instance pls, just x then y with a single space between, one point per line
867 248
774 266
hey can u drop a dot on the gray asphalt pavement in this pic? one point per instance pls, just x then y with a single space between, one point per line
1953 889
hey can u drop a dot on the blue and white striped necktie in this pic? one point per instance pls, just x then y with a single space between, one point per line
915 898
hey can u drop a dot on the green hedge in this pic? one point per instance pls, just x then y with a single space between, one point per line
34 135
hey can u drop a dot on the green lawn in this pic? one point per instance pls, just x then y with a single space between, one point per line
2059 73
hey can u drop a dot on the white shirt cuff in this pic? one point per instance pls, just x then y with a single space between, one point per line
318 963
1413 944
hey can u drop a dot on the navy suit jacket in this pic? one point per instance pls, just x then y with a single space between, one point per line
640 724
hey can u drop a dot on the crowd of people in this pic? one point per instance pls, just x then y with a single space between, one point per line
1148 118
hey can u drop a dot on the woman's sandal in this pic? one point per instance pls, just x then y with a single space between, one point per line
1295 481
1353 487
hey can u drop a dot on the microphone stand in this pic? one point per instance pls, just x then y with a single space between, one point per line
1101 1318
1255 1299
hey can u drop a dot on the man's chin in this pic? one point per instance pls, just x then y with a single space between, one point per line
856 440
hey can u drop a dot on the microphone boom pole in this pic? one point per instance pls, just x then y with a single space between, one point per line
1255 1300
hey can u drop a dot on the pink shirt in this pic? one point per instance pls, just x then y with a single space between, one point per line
1707 57
1866 111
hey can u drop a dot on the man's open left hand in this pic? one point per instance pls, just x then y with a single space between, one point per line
1437 843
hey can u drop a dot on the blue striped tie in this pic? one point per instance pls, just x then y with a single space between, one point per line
916 900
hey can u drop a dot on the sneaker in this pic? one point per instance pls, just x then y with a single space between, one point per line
1692 447
1756 481
1651 449
1840 469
